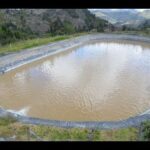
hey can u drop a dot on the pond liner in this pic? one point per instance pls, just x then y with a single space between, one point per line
64 45
130 122
52 48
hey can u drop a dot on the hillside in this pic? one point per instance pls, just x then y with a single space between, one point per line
129 17
28 23
145 24
120 15
145 14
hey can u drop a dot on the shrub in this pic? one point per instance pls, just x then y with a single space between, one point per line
146 130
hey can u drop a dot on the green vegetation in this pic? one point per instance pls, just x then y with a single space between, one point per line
5 121
25 24
53 133
10 33
24 44
126 134
145 131
10 128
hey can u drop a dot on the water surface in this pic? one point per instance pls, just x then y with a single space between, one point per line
108 80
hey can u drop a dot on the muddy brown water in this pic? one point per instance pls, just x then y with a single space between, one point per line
99 81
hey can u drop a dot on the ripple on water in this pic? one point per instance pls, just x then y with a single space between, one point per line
103 81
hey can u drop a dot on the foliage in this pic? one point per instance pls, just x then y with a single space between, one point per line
10 128
10 33
4 121
24 44
146 130
15 26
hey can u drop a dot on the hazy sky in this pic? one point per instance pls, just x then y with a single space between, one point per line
126 9
141 9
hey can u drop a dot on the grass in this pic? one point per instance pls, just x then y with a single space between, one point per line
24 44
126 134
10 127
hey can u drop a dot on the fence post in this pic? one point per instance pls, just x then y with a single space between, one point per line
90 135
28 133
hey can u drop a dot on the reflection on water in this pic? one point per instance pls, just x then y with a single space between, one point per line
98 81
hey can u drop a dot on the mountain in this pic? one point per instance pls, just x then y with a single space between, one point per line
23 23
145 25
131 18
145 14
121 16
